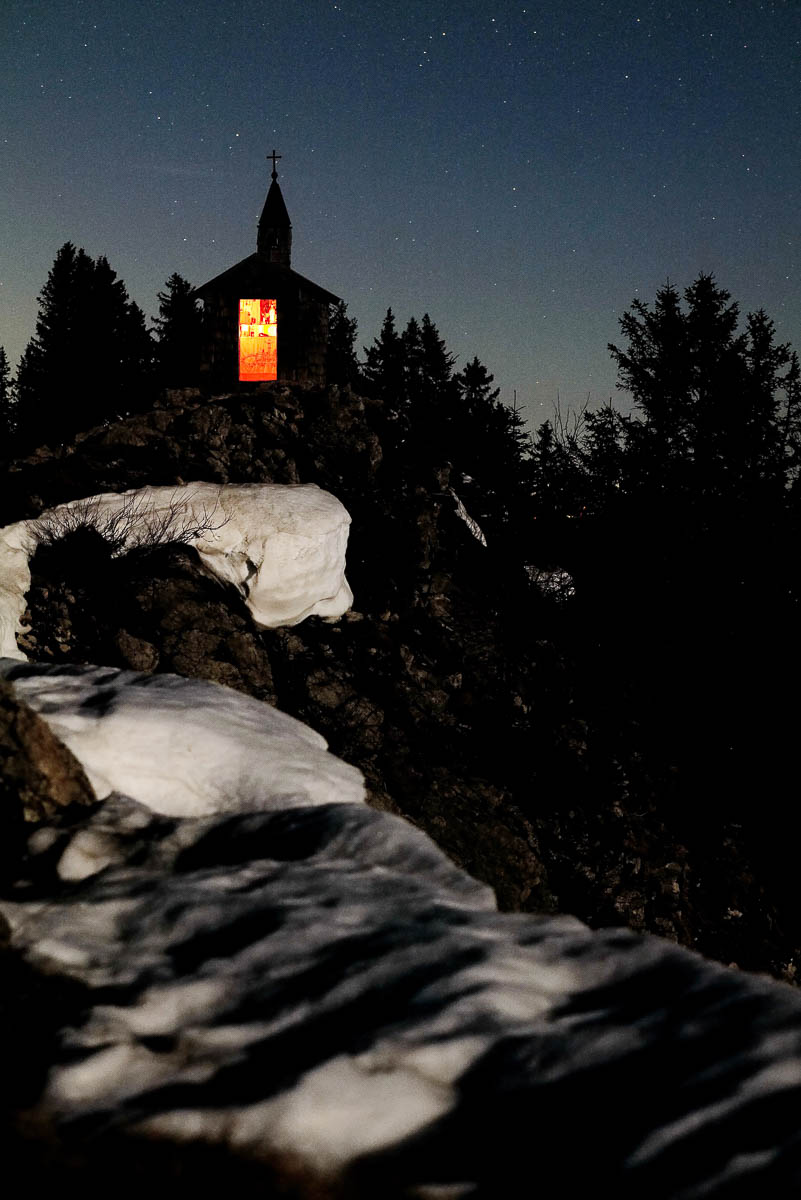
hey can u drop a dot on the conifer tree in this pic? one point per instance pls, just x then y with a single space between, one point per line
437 362
55 358
90 357
413 367
606 435
490 445
433 394
708 398
138 359
6 404
342 366
383 369
475 386
557 473
178 334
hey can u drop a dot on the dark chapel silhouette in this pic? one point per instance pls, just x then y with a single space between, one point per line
261 319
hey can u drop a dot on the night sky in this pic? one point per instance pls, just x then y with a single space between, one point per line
518 171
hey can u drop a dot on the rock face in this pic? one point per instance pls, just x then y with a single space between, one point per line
38 775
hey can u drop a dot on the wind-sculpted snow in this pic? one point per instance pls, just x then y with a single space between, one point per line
283 546
321 984
180 746
317 989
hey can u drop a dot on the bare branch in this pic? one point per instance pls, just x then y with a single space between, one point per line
137 524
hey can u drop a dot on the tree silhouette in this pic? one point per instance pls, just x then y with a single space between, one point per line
432 394
491 445
475 386
384 370
436 361
56 355
711 419
557 472
6 403
91 355
342 366
605 437
178 332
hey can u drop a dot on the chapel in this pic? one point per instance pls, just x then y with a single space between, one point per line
262 321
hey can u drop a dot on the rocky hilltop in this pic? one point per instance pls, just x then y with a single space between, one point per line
454 683
221 967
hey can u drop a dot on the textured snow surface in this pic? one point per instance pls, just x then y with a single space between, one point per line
183 746
283 546
318 985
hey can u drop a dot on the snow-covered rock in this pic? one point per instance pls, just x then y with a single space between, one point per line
464 515
283 546
182 746
321 987
314 988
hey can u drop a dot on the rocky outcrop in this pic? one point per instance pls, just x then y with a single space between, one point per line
452 685
463 722
310 1000
287 434
266 984
282 546
38 775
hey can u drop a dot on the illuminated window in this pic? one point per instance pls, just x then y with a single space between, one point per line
258 340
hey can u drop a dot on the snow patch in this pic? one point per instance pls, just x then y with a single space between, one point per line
464 515
282 546
182 747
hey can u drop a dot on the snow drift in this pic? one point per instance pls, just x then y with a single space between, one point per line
320 987
283 546
181 746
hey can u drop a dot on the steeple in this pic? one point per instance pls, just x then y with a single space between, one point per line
275 229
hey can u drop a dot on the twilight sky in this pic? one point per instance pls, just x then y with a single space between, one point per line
520 171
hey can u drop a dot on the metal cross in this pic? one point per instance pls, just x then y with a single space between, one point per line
274 157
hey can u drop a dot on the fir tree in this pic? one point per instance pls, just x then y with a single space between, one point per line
433 393
342 366
413 367
710 416
437 362
384 370
6 404
91 355
178 334
475 386
557 473
490 445
606 434
138 358
53 362
440 420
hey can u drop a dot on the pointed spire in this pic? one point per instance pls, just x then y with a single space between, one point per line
275 229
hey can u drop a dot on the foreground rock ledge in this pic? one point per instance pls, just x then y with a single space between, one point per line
313 1001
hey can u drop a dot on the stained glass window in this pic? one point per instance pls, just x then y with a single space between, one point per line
258 340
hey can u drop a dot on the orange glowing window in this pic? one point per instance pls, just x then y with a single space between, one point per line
258 340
